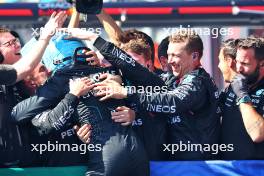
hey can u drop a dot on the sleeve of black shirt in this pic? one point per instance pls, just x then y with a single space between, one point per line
8 75
131 70
47 97
58 117
190 95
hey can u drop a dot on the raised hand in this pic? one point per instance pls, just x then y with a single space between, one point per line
80 86
84 132
240 86
109 89
107 76
56 21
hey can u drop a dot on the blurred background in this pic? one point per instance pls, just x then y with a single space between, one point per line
216 20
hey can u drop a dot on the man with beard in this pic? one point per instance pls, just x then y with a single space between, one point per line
244 103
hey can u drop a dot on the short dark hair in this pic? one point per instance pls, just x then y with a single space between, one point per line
229 48
135 34
194 41
163 47
257 44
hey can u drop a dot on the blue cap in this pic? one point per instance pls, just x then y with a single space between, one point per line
57 50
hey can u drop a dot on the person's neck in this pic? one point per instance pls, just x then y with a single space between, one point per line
233 74
197 65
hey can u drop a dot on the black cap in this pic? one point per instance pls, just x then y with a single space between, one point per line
89 6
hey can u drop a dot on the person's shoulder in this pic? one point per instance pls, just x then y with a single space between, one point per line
260 92
5 67
260 88
8 74
200 72
201 78
195 75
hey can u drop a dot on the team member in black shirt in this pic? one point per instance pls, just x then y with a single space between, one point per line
117 142
194 103
243 123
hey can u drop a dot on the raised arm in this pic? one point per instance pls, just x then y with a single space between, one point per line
113 31
131 70
190 95
75 19
62 115
28 62
47 118
253 120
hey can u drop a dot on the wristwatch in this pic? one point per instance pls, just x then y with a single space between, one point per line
244 99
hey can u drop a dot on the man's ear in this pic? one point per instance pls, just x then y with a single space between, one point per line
195 55
231 62
261 67
149 65
163 60
261 63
